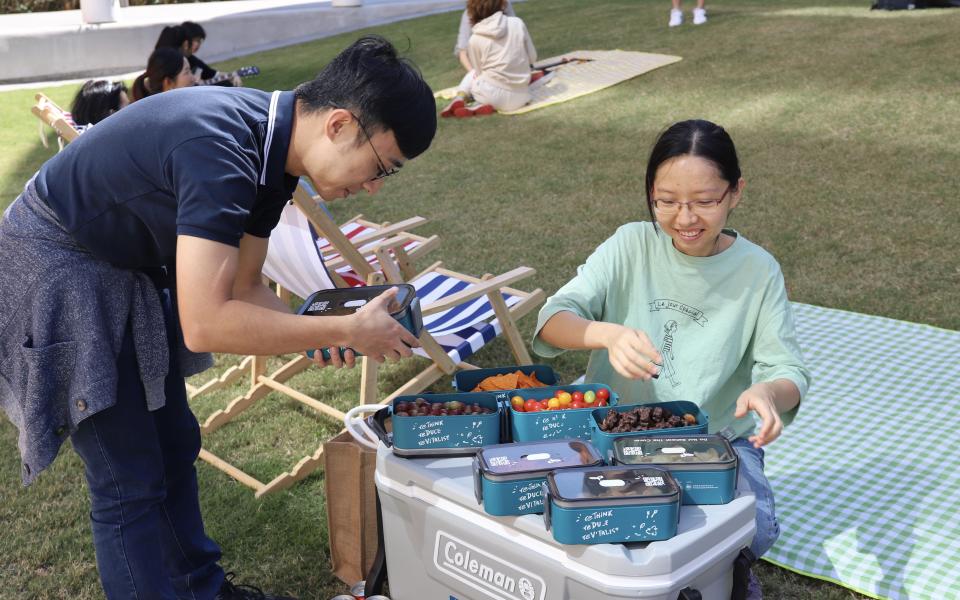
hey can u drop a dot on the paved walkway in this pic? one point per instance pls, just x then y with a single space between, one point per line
43 48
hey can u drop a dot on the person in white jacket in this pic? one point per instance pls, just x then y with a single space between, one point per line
500 51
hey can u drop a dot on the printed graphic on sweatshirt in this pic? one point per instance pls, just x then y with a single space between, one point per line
666 351
668 340
666 304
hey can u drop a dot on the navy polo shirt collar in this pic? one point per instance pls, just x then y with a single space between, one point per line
277 140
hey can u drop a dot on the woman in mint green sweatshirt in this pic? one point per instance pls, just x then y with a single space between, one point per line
682 308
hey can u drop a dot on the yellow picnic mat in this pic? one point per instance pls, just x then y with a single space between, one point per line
574 79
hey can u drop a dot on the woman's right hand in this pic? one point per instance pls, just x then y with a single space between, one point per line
374 333
632 354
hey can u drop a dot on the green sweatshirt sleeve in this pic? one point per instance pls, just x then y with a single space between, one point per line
776 352
584 295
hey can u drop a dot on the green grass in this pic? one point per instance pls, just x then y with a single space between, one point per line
846 122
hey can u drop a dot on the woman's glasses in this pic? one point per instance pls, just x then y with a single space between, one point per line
700 207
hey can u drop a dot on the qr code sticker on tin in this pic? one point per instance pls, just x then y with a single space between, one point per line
653 481
500 461
633 451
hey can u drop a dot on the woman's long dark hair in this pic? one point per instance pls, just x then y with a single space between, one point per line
164 63
695 137
96 100
171 36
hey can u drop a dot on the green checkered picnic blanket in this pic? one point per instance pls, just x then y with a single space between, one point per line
867 479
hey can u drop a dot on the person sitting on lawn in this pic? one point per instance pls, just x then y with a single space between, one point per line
167 69
463 35
683 308
97 100
500 51
204 73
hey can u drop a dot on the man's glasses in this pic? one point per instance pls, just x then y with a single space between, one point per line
383 170
700 207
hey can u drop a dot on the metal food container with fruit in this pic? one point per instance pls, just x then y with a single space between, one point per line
457 427
508 478
565 422
705 466
693 422
467 381
600 505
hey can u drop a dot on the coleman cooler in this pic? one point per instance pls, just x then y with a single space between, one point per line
441 545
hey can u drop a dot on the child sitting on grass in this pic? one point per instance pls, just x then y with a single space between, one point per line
682 308
501 52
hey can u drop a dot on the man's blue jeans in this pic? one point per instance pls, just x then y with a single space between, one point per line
751 471
145 510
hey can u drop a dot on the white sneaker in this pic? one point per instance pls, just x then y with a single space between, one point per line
676 18
699 16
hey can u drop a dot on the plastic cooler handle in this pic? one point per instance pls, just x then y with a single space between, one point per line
546 506
357 426
477 484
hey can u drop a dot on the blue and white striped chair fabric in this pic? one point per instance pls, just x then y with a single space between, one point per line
463 329
294 262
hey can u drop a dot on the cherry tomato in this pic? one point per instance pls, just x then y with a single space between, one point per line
601 402
578 404
545 404
603 394
589 396
577 395
553 403
531 405
517 403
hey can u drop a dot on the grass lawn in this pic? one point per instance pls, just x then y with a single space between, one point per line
846 122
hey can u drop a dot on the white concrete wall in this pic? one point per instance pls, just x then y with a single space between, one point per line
46 46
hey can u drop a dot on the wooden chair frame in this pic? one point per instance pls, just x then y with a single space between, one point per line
441 364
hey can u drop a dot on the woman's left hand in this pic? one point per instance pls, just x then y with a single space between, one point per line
760 399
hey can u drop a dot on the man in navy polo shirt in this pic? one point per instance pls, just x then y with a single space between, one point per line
177 194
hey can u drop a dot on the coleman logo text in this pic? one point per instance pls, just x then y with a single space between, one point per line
484 572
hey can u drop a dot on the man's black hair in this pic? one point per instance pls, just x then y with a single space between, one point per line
387 92
193 30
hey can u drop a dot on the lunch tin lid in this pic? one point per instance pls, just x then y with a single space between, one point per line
617 485
346 301
676 452
508 462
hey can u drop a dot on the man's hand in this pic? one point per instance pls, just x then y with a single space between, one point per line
376 334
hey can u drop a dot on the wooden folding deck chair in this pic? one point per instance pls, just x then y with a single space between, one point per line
460 313
352 253
48 112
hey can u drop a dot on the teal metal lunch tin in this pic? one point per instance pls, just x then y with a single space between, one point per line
451 434
405 307
603 440
705 466
610 505
467 381
508 478
553 424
